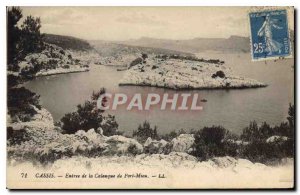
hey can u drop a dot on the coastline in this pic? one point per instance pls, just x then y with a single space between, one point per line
195 88
60 71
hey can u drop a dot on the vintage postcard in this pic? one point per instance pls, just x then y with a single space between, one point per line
150 98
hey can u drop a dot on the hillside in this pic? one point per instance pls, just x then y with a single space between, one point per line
231 44
113 53
107 48
51 60
67 42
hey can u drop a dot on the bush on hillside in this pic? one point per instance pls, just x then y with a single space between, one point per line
173 134
267 143
219 74
110 126
263 152
88 116
136 62
211 142
20 102
144 131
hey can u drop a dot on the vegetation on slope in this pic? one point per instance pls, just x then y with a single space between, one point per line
68 42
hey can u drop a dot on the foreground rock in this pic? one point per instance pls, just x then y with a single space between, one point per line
44 149
39 140
185 74
157 147
183 143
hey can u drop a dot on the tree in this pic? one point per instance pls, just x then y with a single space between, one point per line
14 14
21 41
88 116
24 40
173 134
291 118
20 102
144 131
136 62
110 126
211 141
251 133
31 39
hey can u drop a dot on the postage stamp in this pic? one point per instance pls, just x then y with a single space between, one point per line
269 34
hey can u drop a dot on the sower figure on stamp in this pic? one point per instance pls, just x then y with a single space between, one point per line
266 31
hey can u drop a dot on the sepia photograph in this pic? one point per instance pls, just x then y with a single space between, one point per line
150 97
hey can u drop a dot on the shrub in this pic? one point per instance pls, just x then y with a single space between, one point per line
110 126
211 142
53 63
62 52
144 56
173 134
13 80
214 61
14 14
31 38
88 116
20 102
30 71
132 149
76 61
66 66
16 137
251 133
144 131
154 67
259 150
219 73
291 120
263 152
136 62
254 132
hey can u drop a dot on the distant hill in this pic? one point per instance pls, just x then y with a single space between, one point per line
68 42
231 44
107 48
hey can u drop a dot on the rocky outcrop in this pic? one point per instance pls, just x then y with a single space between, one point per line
122 145
51 60
185 74
42 141
277 139
55 71
157 147
224 162
117 60
183 143
41 121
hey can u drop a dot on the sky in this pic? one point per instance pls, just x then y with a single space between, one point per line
124 23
